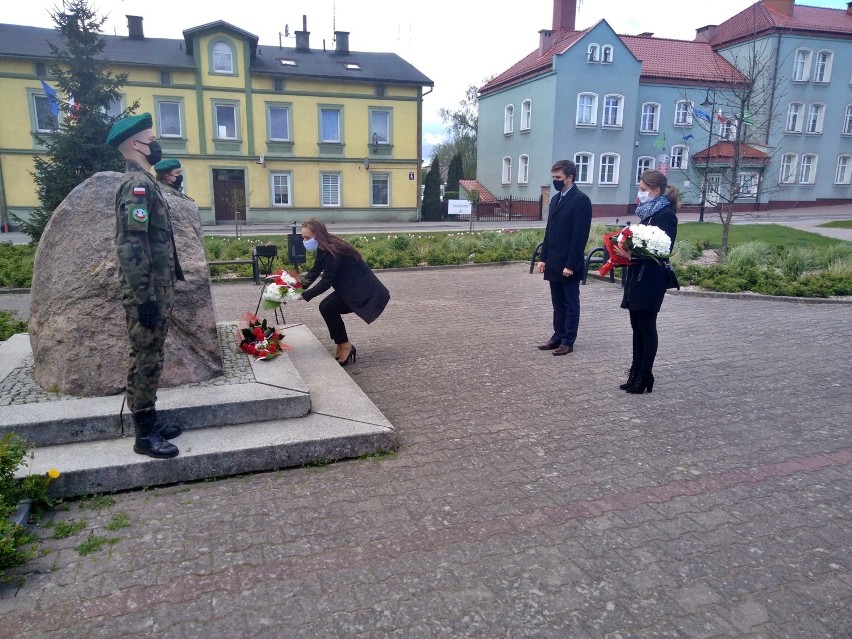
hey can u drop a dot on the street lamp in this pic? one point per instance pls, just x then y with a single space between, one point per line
712 104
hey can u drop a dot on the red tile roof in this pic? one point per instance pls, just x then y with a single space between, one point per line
759 19
485 195
662 59
725 151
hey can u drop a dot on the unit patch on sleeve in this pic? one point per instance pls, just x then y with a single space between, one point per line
139 191
139 215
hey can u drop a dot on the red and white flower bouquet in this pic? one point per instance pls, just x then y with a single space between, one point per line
284 287
260 340
642 240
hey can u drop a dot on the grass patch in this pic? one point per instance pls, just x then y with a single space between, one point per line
64 529
9 325
118 521
838 224
378 455
97 502
94 543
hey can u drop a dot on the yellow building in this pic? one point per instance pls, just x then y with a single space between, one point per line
268 133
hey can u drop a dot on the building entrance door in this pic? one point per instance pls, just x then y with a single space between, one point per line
229 194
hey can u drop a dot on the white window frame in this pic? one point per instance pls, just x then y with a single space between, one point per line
506 177
373 179
234 106
217 49
752 179
116 107
796 117
526 115
681 152
588 165
789 168
331 109
162 119
53 123
604 164
822 67
809 161
588 109
801 65
843 169
278 107
275 182
619 111
509 119
524 169
814 121
381 137
847 120
728 129
332 179
593 53
650 108
644 163
606 54
683 113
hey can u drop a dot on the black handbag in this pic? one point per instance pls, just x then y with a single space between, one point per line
670 272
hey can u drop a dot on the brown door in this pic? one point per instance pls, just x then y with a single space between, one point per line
229 194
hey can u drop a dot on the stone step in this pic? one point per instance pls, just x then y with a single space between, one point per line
342 423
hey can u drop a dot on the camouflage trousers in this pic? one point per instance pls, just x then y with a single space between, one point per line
146 350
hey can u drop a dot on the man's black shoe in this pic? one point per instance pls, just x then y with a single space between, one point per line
549 346
563 349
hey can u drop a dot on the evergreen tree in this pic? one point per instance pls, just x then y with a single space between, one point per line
455 172
77 149
431 210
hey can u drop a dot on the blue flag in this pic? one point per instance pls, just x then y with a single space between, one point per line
688 136
702 114
52 99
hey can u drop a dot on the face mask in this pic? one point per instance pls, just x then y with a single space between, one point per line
155 153
178 181
558 184
311 244
643 196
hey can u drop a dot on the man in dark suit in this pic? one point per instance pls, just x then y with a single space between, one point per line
569 219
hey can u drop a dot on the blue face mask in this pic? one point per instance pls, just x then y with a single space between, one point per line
311 244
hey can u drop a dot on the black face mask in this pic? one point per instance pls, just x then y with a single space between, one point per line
178 181
558 184
155 153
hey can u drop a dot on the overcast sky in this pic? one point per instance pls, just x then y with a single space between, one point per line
456 43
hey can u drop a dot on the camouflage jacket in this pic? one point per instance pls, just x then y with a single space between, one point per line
168 188
147 256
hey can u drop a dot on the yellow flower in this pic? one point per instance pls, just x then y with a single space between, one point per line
53 473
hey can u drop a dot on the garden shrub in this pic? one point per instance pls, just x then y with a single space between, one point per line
9 325
749 255
796 261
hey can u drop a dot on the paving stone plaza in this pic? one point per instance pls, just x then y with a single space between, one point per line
529 496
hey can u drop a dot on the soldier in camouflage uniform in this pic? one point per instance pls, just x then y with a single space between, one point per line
170 177
148 267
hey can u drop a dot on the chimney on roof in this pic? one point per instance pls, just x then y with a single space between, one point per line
545 40
134 28
303 37
784 7
705 34
849 8
341 42
564 15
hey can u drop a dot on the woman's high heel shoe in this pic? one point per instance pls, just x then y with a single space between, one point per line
644 382
631 378
352 355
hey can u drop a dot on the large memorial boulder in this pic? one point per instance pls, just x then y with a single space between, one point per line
77 323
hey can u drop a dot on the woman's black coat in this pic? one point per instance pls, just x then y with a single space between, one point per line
352 279
646 282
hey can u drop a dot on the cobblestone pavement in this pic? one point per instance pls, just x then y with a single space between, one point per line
529 497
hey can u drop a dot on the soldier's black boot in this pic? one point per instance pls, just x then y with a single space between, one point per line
148 440
164 429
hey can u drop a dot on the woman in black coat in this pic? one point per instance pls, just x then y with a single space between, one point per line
646 281
356 288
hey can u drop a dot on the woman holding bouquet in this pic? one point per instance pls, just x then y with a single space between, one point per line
356 288
648 278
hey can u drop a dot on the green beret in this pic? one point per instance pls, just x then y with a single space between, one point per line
126 128
164 166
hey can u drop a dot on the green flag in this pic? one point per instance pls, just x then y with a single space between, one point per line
747 118
661 141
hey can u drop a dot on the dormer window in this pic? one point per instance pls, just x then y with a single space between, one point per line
592 54
287 63
352 66
223 57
